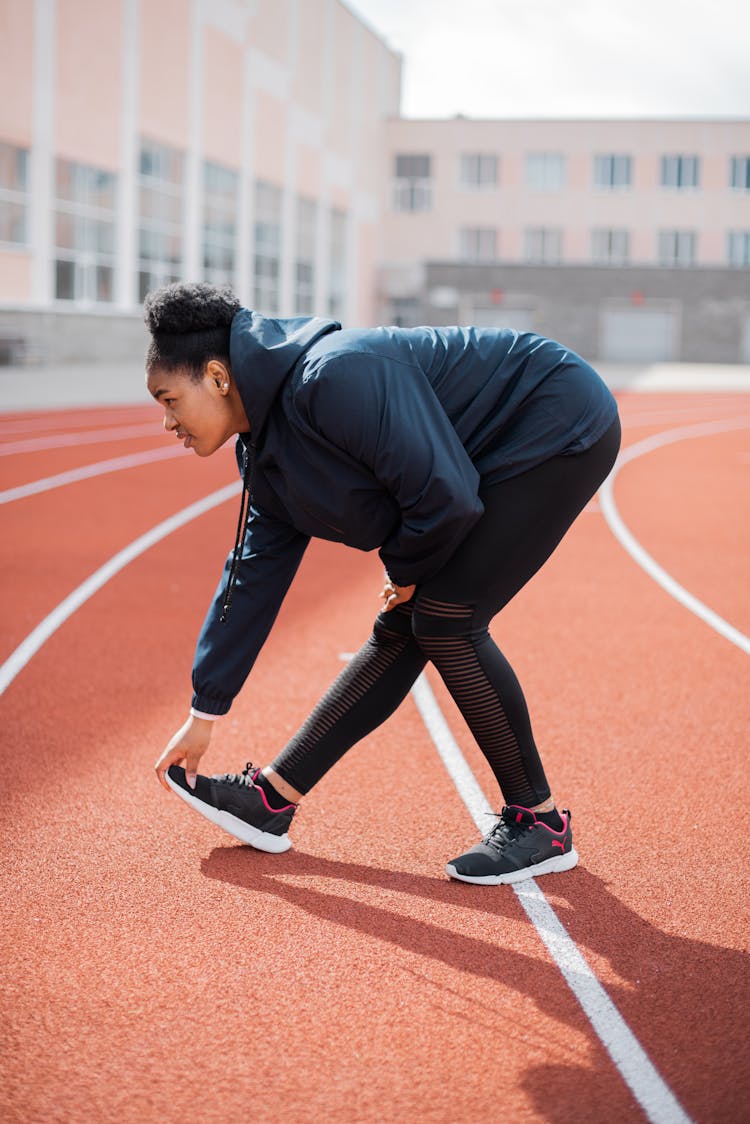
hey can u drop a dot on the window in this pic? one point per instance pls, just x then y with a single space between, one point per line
612 171
220 193
542 245
14 176
304 264
477 243
739 248
545 171
160 204
337 272
84 232
739 173
676 247
404 312
412 184
267 247
610 247
679 171
478 169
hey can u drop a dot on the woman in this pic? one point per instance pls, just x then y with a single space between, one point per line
462 455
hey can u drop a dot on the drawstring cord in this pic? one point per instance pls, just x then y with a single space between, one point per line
245 502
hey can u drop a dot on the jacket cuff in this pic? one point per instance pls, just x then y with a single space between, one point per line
211 704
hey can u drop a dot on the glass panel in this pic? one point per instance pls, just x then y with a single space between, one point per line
173 248
102 189
101 236
65 230
65 180
104 283
65 280
149 203
12 222
13 167
147 162
267 202
545 171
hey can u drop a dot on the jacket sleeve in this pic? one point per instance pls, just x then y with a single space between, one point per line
384 413
225 653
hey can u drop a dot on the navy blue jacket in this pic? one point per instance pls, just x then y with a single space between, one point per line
380 438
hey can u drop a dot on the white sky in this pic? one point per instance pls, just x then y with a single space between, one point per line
568 58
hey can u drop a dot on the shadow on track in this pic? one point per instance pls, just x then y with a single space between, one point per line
688 1002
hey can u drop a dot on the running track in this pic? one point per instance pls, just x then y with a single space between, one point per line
155 971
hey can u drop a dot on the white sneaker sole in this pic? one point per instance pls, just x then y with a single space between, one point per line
245 832
549 866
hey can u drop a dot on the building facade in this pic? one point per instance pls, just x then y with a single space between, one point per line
258 143
629 240
144 141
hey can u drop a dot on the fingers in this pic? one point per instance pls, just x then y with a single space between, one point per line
389 593
191 767
395 595
168 757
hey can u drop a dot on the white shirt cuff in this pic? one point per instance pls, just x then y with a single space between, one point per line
201 714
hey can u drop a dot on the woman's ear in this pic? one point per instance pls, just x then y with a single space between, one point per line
219 375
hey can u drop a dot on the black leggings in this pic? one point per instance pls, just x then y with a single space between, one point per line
446 622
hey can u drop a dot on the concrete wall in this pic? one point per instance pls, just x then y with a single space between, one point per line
36 337
712 306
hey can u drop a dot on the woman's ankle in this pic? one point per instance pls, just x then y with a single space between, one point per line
281 786
547 805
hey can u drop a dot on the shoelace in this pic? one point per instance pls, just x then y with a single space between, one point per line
238 778
503 832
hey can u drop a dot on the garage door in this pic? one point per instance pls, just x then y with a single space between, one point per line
638 335
745 352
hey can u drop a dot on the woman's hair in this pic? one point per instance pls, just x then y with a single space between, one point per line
189 325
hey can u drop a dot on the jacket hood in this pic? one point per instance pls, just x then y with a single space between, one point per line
263 352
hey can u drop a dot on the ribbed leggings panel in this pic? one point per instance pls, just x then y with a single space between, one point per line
447 622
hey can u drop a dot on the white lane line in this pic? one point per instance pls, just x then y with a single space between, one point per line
99 436
74 420
99 468
635 1067
34 641
634 548
667 417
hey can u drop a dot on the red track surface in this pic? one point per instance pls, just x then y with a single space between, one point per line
155 970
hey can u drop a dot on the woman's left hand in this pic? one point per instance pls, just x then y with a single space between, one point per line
394 595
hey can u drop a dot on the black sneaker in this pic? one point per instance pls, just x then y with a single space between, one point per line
235 802
519 846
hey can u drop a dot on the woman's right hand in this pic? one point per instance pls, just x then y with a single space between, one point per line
188 745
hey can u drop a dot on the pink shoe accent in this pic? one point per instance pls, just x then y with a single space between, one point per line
562 830
264 798
557 843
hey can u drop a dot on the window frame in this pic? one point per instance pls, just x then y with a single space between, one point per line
16 196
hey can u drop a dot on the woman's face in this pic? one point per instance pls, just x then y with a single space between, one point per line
202 414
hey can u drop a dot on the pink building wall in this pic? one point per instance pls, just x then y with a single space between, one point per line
270 132
16 108
307 76
222 99
15 275
710 210
164 75
269 30
88 82
17 32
